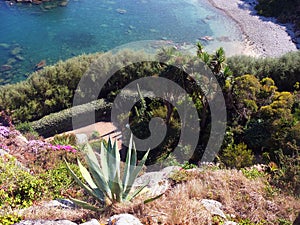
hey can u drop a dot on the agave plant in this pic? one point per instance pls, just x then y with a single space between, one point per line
103 179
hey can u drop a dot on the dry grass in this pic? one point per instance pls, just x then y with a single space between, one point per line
241 197
244 198
56 213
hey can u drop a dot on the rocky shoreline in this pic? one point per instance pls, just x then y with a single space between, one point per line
263 37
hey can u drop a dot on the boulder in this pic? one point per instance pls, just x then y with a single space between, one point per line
124 219
81 139
91 222
60 203
230 223
158 182
214 207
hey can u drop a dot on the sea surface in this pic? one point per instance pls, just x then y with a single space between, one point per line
32 33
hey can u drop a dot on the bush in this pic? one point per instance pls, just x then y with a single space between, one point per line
237 156
8 219
52 89
64 139
19 188
46 91
59 182
284 70
61 122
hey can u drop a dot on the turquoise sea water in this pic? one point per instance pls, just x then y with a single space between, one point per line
29 33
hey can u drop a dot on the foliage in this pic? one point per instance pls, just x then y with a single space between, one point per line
252 173
64 139
59 183
8 219
284 70
286 11
95 135
186 165
103 178
287 177
27 130
62 121
180 176
19 188
237 156
45 91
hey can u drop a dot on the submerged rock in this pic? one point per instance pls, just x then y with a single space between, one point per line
6 67
19 57
11 61
121 11
63 3
4 45
16 51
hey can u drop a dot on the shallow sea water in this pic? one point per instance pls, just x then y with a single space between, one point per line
29 33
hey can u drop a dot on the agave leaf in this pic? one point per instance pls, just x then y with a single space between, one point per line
136 192
152 199
114 163
99 179
135 173
91 155
85 205
103 160
128 165
116 189
87 177
81 184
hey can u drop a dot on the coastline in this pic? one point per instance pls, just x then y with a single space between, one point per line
262 37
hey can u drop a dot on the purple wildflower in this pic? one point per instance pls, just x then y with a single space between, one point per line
4 132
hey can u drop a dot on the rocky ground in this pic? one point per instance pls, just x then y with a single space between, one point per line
263 36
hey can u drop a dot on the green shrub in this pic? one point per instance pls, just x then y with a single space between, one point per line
52 89
59 182
95 135
8 219
64 139
287 176
237 156
61 122
286 11
252 173
19 188
46 91
284 70
27 130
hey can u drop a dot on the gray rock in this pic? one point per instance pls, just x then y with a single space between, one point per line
82 139
3 152
20 138
45 222
158 181
214 207
61 203
230 223
91 222
155 177
124 219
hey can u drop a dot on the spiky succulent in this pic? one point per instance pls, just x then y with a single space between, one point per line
103 179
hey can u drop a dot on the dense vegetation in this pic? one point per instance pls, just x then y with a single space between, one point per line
287 11
261 95
262 98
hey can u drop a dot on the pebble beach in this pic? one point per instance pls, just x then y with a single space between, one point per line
263 37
